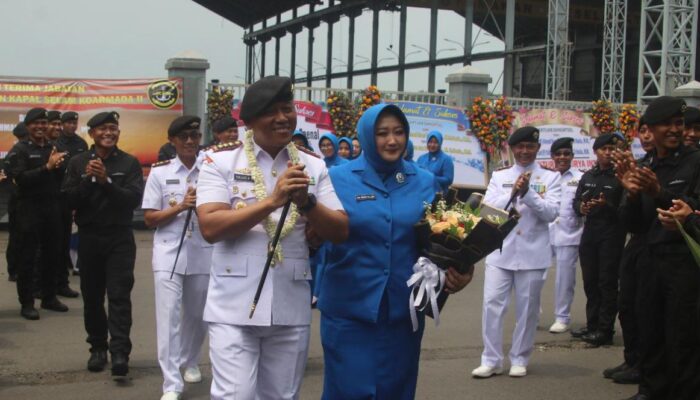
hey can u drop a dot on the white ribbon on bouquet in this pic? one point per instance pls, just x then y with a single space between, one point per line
429 279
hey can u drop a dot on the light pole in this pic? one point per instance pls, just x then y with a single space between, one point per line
421 48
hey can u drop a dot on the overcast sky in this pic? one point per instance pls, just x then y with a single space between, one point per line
134 38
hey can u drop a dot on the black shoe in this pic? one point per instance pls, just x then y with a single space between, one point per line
578 333
97 361
66 291
29 312
53 304
12 278
120 366
597 339
629 376
608 373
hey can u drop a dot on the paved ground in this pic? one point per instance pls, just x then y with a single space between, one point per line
46 359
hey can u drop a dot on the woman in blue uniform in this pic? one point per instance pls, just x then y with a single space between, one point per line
300 139
356 148
370 349
345 148
329 149
437 162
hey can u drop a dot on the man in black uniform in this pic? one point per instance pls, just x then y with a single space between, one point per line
597 199
691 133
669 324
55 127
68 141
104 185
12 251
225 131
33 163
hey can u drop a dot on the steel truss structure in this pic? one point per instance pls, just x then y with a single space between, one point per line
558 51
614 45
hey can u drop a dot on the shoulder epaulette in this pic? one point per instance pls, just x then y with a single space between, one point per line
224 146
503 167
161 163
307 151
548 168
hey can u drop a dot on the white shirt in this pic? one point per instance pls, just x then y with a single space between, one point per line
167 185
566 230
527 245
237 264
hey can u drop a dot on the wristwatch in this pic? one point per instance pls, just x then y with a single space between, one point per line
310 203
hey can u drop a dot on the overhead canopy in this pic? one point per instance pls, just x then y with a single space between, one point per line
248 12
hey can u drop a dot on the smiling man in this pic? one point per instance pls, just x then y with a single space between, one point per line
104 185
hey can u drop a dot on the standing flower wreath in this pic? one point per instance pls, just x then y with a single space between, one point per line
627 121
370 97
219 104
602 115
491 123
342 114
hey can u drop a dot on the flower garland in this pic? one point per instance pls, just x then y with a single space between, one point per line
342 114
491 122
627 121
370 97
261 192
602 115
219 104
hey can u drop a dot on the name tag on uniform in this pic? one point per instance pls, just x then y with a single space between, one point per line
118 174
589 185
243 177
172 181
507 185
572 183
676 182
365 197
35 156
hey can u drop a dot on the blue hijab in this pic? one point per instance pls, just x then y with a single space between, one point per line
409 151
349 142
365 129
439 163
300 134
333 160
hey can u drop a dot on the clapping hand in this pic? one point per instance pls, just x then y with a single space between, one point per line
679 211
55 159
96 169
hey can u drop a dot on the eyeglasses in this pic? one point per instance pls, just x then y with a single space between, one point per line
564 153
188 135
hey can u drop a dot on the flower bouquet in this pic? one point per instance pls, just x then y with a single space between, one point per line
453 234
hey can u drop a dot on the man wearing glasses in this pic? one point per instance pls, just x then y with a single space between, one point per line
104 185
565 234
181 289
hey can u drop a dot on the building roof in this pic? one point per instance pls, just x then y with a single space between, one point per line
247 12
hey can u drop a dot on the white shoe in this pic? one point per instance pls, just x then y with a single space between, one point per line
192 375
170 396
517 371
558 327
484 371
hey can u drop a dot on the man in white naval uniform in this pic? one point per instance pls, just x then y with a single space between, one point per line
169 194
525 256
565 234
240 194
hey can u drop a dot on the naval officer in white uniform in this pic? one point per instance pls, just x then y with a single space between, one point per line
169 194
565 234
522 264
240 194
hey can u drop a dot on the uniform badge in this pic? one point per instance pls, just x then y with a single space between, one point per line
172 202
312 181
234 190
244 171
240 205
400 178
274 173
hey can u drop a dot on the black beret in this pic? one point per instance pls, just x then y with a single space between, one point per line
53 115
642 121
104 118
20 131
691 116
663 108
69 116
224 124
263 93
605 139
524 134
184 123
35 114
562 143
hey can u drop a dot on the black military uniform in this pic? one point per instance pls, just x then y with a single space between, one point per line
106 251
72 144
12 251
166 152
602 242
669 323
37 218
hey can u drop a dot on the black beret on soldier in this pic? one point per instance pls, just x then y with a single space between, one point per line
264 93
53 115
525 134
35 114
663 108
224 124
184 123
605 139
562 143
20 131
104 118
69 116
691 116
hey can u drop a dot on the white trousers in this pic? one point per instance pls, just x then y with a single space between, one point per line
527 285
257 362
179 325
565 283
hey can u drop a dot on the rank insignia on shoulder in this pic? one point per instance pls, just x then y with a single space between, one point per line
547 167
503 167
226 146
160 163
307 151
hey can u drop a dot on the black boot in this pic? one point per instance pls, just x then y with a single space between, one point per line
53 304
29 312
578 333
629 376
608 373
66 291
97 361
598 339
120 366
